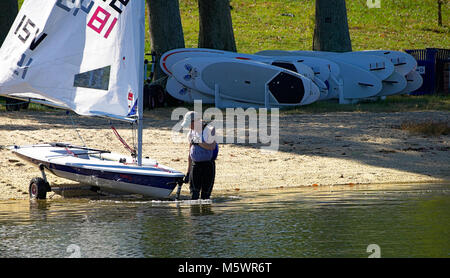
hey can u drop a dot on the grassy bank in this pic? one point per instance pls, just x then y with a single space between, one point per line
399 103
289 24
391 104
427 127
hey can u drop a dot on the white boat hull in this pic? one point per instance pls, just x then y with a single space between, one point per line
104 170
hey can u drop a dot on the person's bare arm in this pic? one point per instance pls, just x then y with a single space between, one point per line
189 159
207 146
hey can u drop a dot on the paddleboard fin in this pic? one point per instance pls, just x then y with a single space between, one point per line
375 69
365 84
389 82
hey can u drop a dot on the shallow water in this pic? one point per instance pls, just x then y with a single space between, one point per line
339 221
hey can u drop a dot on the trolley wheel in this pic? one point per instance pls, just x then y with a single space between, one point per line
38 188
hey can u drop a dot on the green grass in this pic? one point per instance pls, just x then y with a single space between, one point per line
397 25
31 106
391 104
399 103
260 25
427 128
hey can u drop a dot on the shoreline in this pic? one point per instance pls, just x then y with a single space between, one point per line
223 193
315 149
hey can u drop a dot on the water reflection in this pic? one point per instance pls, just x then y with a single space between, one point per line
405 221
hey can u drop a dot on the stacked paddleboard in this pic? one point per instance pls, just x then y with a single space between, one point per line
278 78
365 74
230 79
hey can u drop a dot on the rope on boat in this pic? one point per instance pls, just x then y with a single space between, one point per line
70 152
73 124
132 150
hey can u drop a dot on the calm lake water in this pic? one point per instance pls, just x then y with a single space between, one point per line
339 221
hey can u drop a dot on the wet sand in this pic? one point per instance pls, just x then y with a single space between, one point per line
324 149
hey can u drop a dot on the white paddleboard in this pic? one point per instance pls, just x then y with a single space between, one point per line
393 85
319 75
323 88
226 103
245 81
414 81
322 68
172 57
358 83
318 70
296 66
186 94
183 93
299 67
403 62
377 65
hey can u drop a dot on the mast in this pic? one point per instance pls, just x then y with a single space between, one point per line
141 48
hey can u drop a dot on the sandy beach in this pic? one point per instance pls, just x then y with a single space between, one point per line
324 149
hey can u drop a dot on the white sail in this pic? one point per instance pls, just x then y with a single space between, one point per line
84 54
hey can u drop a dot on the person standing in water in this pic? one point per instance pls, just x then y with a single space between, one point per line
203 151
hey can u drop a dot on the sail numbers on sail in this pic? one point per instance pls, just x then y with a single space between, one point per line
113 4
23 32
101 22
76 5
101 17
67 5
21 66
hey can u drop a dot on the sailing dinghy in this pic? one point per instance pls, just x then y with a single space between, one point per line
85 56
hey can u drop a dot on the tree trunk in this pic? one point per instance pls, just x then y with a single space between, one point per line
331 31
440 12
166 31
216 27
9 9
